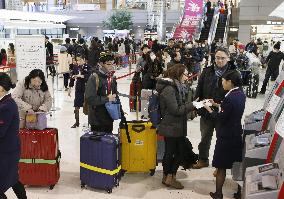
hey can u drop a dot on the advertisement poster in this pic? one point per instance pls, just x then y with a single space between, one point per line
193 12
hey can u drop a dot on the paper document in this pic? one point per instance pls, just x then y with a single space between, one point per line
280 125
269 182
200 104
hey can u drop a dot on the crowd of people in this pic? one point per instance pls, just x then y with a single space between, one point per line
164 68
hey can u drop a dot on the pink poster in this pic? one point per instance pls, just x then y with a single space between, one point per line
193 12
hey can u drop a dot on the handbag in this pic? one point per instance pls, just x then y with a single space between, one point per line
36 121
113 108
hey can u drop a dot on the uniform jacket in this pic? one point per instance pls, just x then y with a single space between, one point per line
9 125
229 118
84 70
9 143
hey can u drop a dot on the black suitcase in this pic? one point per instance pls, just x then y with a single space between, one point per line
252 89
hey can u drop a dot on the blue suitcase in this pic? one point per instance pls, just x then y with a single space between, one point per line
100 165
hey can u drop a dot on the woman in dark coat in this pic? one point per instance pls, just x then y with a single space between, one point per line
228 148
81 73
9 141
174 109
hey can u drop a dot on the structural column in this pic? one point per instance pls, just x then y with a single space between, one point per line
162 22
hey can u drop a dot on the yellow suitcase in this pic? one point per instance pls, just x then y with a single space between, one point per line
140 155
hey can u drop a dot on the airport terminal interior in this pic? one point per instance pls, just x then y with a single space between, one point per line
141 99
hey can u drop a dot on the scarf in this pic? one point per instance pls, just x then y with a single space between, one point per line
219 72
109 75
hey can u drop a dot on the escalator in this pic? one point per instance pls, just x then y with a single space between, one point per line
221 27
206 28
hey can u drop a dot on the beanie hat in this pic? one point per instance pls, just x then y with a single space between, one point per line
63 49
242 46
5 81
277 46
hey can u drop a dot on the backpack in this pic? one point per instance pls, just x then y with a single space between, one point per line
154 108
85 104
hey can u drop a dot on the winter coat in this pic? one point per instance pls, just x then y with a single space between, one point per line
140 63
121 49
30 98
274 59
174 108
9 143
96 99
210 86
64 60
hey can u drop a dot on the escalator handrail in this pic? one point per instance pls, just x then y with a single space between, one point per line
227 26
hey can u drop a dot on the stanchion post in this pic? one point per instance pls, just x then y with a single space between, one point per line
129 67
53 108
137 106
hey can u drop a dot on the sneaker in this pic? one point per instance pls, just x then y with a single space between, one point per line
200 164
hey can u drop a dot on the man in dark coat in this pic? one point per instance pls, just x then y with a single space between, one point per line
101 88
251 47
176 59
274 59
210 87
9 141
49 56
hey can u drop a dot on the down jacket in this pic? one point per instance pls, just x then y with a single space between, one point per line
174 108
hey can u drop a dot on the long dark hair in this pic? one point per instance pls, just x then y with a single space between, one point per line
33 74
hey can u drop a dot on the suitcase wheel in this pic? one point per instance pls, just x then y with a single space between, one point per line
109 191
122 172
51 187
238 195
83 186
152 172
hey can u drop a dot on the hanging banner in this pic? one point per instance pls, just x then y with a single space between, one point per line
193 12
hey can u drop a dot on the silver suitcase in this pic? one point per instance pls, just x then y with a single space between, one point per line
145 94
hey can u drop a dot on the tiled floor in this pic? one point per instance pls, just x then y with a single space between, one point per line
198 183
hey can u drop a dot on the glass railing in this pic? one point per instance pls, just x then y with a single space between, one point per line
43 7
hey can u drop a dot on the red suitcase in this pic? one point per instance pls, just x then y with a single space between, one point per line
135 90
40 157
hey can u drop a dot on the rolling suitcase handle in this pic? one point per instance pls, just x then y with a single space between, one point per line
123 122
138 128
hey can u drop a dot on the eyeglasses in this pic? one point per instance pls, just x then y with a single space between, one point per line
221 58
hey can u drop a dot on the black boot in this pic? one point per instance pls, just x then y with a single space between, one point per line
216 195
76 112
